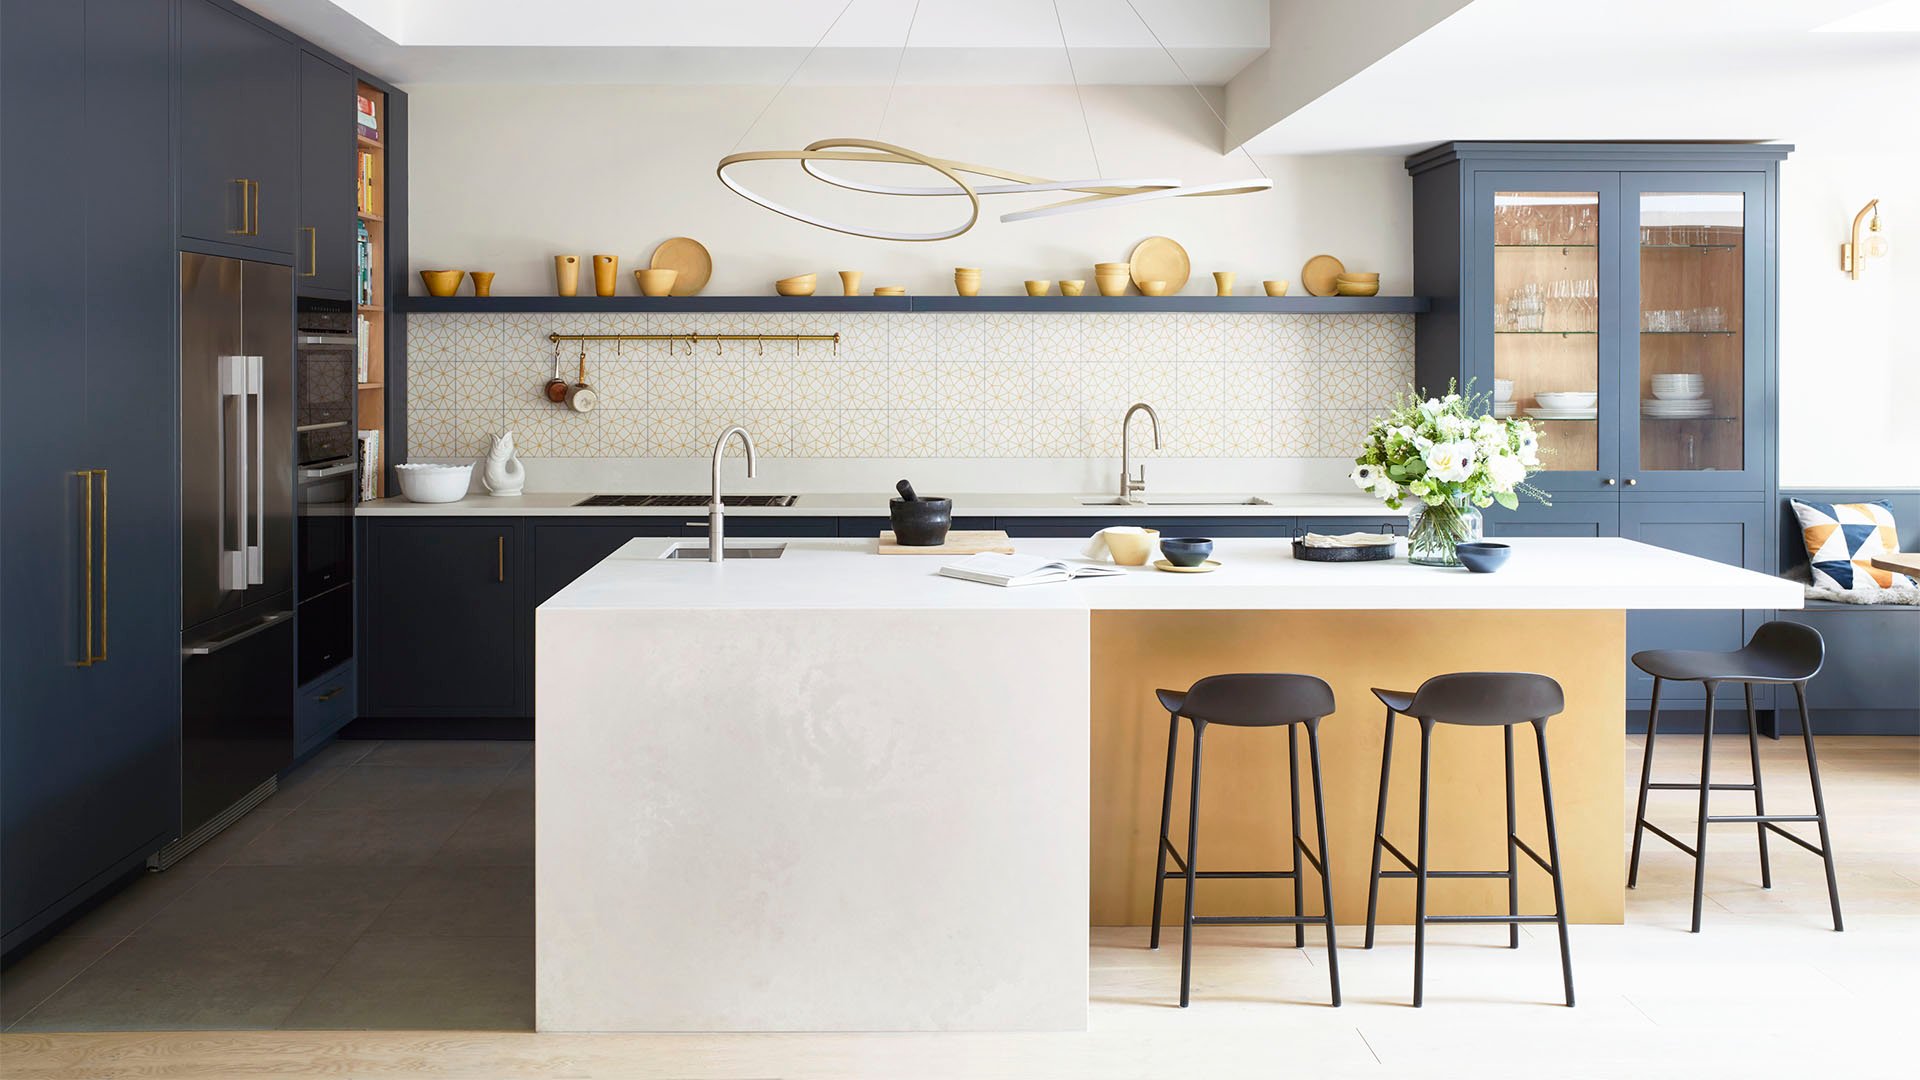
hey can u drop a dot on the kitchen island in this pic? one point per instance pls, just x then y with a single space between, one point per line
836 791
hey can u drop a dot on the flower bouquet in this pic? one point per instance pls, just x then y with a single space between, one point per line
1446 459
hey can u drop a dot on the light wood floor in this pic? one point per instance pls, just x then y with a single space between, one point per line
1767 990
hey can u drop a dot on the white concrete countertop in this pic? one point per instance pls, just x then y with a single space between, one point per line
987 504
1256 574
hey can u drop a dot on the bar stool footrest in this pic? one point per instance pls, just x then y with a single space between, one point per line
1493 918
1203 875
1667 836
1259 920
1446 874
1682 786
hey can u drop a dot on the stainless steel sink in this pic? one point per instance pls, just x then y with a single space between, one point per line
1179 500
730 551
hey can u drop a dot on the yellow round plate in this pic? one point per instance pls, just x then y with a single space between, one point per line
1160 258
1317 277
688 256
1207 567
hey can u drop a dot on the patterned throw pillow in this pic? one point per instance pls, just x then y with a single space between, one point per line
1842 540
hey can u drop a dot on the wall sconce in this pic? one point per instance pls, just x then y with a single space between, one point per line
1876 245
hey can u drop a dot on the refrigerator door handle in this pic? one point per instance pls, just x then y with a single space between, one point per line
233 464
256 557
208 648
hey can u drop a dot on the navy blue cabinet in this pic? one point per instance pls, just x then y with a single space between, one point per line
1723 530
238 164
440 625
324 262
1565 517
89 696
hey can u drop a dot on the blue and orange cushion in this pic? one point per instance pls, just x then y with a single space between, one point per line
1842 540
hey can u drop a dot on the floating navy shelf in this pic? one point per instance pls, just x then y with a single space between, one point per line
1278 305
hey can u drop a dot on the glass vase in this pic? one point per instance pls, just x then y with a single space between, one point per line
1434 529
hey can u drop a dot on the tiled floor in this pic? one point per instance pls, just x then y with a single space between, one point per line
388 888
387 885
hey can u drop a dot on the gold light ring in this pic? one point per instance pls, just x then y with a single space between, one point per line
838 150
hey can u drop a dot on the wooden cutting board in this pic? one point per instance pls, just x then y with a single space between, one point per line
1906 562
959 542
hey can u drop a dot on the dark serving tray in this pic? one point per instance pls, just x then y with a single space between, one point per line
1342 554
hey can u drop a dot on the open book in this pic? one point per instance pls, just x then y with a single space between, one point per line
999 569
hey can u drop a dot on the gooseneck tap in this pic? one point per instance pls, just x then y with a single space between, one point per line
716 514
1129 486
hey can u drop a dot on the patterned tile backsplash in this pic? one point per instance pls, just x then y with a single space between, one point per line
910 385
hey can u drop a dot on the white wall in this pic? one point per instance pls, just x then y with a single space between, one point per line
505 177
1849 350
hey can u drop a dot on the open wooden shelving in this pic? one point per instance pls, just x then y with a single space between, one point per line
1275 305
370 284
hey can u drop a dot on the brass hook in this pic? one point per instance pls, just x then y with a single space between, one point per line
583 361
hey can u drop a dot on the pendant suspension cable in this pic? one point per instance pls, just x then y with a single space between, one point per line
1077 97
1191 85
790 76
880 132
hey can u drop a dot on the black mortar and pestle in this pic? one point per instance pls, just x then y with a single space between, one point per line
919 522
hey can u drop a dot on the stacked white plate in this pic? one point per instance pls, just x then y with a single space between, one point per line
1504 409
1676 408
1565 405
1677 386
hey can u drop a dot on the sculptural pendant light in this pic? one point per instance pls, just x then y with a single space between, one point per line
1092 194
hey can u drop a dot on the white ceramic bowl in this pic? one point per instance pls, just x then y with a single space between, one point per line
1503 389
434 483
1676 393
1566 399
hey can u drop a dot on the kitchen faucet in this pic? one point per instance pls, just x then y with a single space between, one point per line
716 516
1128 485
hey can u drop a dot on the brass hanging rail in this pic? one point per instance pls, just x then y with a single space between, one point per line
695 338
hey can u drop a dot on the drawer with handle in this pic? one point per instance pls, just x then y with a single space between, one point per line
323 708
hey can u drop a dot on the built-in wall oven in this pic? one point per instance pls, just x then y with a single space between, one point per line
326 361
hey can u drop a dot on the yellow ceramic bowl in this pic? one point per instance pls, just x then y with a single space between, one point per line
796 286
1356 277
1356 288
1112 268
1114 284
890 290
655 282
442 282
1156 287
1038 288
1072 288
1274 288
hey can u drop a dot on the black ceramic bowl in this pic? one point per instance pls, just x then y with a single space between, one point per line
921 522
1186 550
1482 557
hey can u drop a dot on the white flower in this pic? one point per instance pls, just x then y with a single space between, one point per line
1506 471
1451 462
1365 477
1529 447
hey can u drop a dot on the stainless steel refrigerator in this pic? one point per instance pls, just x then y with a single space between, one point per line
236 550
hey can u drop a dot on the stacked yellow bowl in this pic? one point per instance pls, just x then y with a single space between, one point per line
1112 278
1353 284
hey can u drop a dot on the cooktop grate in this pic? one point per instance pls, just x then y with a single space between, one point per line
686 500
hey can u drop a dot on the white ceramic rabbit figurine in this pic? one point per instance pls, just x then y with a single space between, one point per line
502 473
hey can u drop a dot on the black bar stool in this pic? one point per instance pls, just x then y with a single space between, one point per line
1476 699
1247 701
1781 653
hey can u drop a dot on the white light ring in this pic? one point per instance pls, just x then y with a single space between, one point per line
1101 202
1020 184
890 153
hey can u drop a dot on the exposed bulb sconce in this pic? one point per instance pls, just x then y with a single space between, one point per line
1875 246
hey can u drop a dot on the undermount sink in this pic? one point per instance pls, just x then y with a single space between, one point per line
730 551
1178 500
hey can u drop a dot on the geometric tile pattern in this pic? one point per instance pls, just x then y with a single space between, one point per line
910 385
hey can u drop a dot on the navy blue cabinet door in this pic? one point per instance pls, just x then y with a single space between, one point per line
238 113
439 627
1566 517
324 243
1218 528
1725 531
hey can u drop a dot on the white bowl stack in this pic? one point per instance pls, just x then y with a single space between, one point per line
1503 403
434 483
1676 396
1565 405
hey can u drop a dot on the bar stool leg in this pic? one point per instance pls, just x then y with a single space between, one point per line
1420 871
1819 806
1513 850
1193 859
1706 788
1646 778
1553 856
1166 814
1759 795
1379 828
1293 785
1326 869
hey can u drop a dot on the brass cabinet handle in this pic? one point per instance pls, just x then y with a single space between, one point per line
105 501
313 251
331 694
500 558
86 589
246 196
253 229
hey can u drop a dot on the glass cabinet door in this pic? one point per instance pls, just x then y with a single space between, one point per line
1693 406
1552 274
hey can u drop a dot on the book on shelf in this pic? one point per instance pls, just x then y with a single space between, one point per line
993 568
363 255
367 197
369 463
363 330
366 117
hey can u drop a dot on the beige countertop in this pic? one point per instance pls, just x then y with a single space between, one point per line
986 504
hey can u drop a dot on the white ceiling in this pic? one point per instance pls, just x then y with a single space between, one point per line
954 42
1624 69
